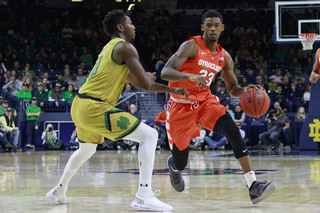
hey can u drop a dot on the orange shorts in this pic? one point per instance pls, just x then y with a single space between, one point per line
183 119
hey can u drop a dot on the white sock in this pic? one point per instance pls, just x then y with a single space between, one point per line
250 178
85 151
147 137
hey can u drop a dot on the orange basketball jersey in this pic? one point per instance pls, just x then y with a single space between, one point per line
205 64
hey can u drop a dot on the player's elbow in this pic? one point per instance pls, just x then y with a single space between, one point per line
164 75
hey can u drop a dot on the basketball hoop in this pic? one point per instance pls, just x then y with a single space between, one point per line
307 40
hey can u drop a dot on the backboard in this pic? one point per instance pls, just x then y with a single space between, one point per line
295 17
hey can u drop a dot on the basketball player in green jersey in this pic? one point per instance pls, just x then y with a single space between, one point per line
95 117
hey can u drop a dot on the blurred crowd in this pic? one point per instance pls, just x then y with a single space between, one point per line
47 53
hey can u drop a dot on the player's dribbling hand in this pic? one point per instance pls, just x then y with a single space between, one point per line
314 77
181 91
200 81
254 86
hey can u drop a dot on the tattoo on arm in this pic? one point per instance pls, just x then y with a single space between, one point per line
234 84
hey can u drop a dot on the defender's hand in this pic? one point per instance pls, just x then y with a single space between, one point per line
200 81
314 77
181 91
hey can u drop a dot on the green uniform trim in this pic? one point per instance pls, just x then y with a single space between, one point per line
135 125
112 53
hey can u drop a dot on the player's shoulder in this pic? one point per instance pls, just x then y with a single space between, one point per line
124 48
227 55
188 47
124 45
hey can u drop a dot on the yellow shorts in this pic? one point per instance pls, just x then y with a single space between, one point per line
96 120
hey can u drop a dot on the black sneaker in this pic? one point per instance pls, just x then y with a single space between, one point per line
261 190
176 179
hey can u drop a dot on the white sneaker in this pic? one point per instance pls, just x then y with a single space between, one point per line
58 194
150 202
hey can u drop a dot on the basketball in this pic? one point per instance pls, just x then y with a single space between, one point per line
255 102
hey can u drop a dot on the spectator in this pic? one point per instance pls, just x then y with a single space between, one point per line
69 95
278 96
243 82
162 143
216 86
66 32
19 80
5 143
294 67
261 63
26 74
306 97
7 76
278 77
55 96
41 95
49 138
281 53
129 96
261 83
33 113
301 115
239 115
215 140
29 84
74 141
9 124
272 84
223 95
24 94
294 99
80 78
4 106
300 87
67 76
63 84
46 85
42 58
250 77
133 111
12 87
74 59
75 88
285 85
86 57
237 73
263 76
276 123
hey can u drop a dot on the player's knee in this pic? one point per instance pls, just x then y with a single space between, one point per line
152 135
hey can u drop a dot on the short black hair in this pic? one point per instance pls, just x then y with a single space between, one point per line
111 20
212 14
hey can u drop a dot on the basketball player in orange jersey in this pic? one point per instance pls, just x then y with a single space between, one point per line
195 65
315 74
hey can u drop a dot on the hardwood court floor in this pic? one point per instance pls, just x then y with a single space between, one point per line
108 182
